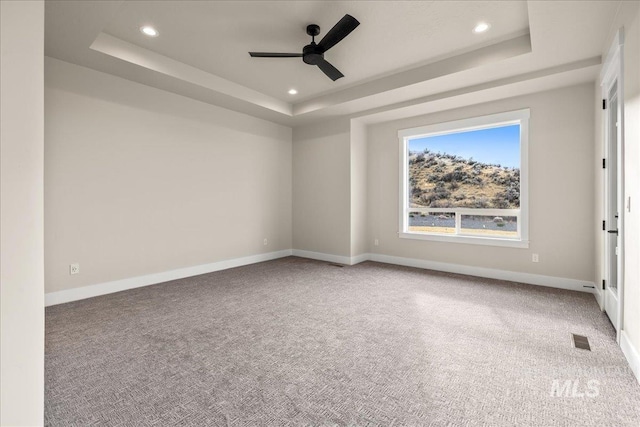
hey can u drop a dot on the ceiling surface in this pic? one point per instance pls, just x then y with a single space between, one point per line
216 36
403 53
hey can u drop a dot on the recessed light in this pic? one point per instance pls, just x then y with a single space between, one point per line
292 91
481 27
149 31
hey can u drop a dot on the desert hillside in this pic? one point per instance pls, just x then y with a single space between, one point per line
445 181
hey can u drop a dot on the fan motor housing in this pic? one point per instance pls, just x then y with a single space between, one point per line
311 54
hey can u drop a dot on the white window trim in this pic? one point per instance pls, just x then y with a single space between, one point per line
520 117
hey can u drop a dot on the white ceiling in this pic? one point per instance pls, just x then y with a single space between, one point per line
216 36
402 51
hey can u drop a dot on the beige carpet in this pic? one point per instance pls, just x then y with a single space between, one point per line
295 342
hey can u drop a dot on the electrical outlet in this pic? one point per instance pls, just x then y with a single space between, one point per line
535 258
74 268
376 242
265 242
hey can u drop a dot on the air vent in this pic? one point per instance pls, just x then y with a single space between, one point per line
581 342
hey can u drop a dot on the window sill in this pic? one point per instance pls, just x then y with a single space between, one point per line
471 240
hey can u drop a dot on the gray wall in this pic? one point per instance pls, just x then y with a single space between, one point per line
359 184
141 181
21 214
321 188
561 175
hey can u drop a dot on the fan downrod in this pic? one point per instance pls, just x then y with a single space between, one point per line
312 53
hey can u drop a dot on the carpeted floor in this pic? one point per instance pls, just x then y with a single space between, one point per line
297 342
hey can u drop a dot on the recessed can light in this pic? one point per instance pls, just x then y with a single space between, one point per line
292 91
149 31
481 27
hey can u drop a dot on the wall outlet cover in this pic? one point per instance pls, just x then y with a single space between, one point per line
74 268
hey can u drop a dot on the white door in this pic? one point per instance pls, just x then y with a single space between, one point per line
612 209
611 81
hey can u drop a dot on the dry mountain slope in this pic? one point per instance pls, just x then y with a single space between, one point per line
447 181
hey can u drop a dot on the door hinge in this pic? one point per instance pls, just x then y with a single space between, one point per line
604 104
604 226
603 282
604 163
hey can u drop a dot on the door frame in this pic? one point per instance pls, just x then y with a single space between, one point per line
612 74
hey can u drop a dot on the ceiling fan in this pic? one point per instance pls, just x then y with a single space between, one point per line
313 54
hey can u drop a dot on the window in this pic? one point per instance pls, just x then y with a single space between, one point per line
466 181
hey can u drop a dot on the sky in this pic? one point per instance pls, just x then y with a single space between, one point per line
499 145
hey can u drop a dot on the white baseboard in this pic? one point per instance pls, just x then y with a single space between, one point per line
631 353
75 294
599 294
338 259
360 258
512 276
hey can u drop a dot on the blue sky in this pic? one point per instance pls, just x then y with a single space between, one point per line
499 145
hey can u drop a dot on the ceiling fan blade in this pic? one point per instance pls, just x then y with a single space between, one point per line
274 55
339 31
332 72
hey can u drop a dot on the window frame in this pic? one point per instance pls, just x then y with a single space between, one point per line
520 117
